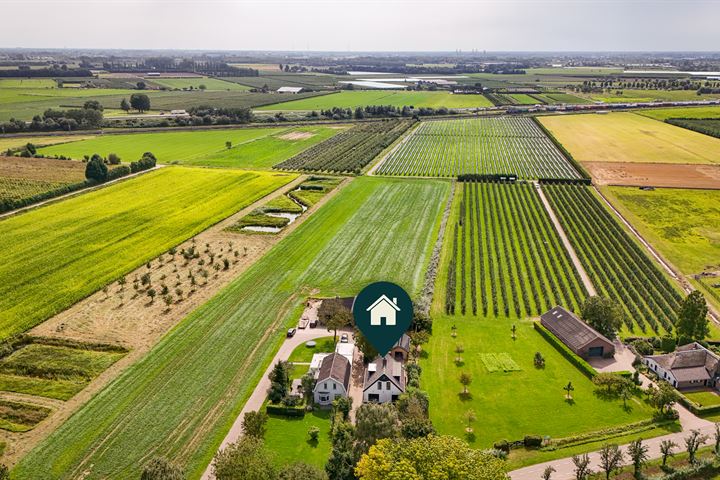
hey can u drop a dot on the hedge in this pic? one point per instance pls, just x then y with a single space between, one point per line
274 409
581 364
695 408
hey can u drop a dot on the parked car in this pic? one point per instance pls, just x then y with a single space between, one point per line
291 332
344 338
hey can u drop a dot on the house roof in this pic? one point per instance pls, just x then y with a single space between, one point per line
386 368
689 360
346 350
335 367
403 343
384 298
570 329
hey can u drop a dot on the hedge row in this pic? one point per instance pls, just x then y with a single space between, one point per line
571 356
273 409
697 409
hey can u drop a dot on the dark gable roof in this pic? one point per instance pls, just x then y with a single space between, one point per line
336 367
387 369
570 329
687 361
403 343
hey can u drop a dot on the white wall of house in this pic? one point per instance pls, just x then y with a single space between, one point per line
328 390
381 391
661 372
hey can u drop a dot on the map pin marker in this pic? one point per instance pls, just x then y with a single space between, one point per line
383 312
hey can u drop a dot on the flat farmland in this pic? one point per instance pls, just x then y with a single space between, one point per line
184 146
654 174
628 137
447 148
198 377
39 141
684 112
60 253
650 96
266 151
361 98
506 257
683 224
23 179
617 266
211 84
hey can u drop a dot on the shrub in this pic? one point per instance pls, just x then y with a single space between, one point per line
643 347
502 445
313 433
532 441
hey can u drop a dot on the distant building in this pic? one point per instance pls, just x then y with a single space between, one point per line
289 90
333 379
579 337
689 366
384 380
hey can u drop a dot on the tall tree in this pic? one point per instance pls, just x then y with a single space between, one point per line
374 421
638 454
253 424
611 459
582 466
96 169
124 105
428 458
245 460
340 318
300 471
603 314
693 442
664 397
341 463
667 449
140 102
692 323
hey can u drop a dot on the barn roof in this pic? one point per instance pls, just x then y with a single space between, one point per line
572 331
289 89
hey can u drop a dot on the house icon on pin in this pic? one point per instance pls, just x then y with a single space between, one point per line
382 311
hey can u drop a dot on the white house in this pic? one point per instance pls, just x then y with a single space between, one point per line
333 379
689 366
383 311
384 380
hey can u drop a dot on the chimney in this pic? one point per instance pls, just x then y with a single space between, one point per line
395 301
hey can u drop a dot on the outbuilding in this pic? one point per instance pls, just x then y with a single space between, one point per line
289 90
579 337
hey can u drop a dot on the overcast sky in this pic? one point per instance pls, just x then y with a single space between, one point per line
341 25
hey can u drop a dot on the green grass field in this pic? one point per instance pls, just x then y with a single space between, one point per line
684 225
288 439
211 84
252 147
685 112
704 398
361 98
62 252
199 375
627 137
649 96
266 151
18 142
512 404
26 83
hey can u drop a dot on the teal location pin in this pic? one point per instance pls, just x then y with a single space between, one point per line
382 312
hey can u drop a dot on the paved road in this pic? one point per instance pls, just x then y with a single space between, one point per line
573 256
258 396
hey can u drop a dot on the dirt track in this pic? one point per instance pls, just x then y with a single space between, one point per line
655 174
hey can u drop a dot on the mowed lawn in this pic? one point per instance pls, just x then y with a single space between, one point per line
264 152
361 98
166 146
510 405
683 224
627 137
60 253
180 399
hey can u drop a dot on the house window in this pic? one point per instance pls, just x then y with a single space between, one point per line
334 386
379 385
388 386
325 385
324 398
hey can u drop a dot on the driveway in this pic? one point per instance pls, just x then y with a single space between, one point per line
259 395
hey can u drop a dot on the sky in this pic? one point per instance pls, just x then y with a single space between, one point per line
368 25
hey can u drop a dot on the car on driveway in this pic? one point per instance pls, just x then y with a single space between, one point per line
291 332
344 338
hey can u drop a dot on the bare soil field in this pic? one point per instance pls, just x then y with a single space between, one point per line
126 316
43 169
297 136
655 174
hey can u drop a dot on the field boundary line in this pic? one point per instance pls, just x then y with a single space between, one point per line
76 192
566 243
405 137
677 276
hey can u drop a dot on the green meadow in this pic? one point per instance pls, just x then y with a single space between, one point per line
688 112
200 374
62 252
361 98
211 84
